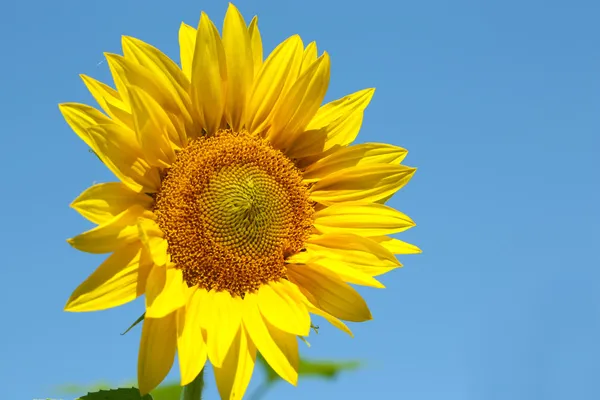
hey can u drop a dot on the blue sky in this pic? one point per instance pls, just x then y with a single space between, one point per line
498 104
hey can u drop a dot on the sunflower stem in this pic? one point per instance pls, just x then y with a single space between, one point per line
193 390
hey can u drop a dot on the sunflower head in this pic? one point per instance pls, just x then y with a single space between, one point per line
232 209
241 207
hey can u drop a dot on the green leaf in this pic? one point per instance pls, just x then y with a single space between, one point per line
312 368
137 321
116 394
307 368
170 391
325 369
72 389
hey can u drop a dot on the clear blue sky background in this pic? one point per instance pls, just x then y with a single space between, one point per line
499 106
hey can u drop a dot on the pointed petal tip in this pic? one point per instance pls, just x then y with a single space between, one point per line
413 169
293 380
296 39
324 58
143 388
110 57
68 306
128 40
218 363
73 308
71 305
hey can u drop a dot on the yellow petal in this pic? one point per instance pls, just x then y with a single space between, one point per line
330 293
340 108
287 344
159 65
278 69
164 291
332 320
191 345
297 108
115 145
346 272
292 76
234 376
335 124
256 43
223 317
120 279
282 311
205 307
385 199
361 154
240 66
152 239
127 73
396 246
81 118
157 351
365 219
104 201
294 292
127 163
209 75
111 235
356 251
366 183
167 76
187 43
110 101
152 126
309 56
279 349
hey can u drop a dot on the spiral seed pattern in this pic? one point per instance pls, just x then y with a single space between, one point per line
232 208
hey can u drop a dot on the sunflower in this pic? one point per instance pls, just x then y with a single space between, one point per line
241 207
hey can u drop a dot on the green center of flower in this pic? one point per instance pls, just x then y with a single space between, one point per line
232 208
246 209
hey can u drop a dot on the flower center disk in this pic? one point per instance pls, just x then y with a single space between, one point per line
232 208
